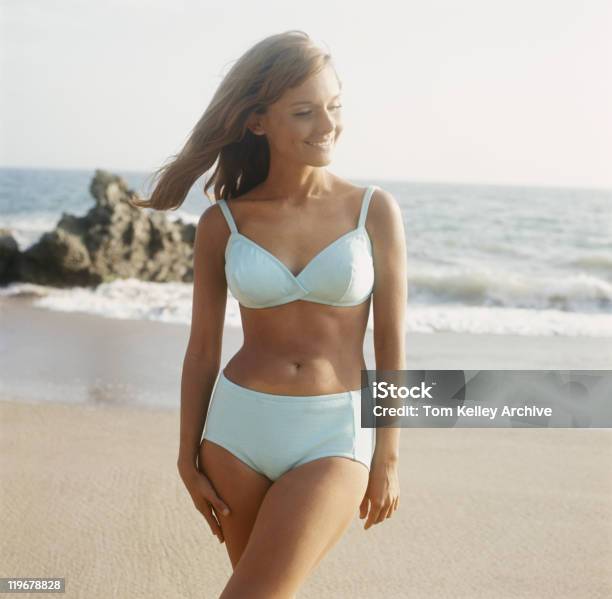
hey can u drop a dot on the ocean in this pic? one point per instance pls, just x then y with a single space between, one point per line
481 258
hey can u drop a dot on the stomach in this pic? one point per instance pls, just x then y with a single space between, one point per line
301 348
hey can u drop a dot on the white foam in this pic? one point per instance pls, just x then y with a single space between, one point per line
122 299
27 229
506 321
481 284
172 302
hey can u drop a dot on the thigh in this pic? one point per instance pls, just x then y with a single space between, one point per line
240 487
304 513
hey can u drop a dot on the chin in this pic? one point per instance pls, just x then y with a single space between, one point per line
322 159
321 162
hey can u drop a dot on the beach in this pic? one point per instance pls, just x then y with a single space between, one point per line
469 140
89 439
74 357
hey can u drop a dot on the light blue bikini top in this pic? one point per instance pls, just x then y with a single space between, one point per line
341 274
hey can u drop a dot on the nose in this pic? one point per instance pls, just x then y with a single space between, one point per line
327 124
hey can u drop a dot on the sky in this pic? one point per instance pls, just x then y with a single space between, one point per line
475 91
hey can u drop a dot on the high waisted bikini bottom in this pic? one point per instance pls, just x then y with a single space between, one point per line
274 433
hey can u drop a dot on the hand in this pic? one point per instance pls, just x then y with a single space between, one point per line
383 492
204 496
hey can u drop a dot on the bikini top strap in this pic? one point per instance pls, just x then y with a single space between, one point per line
228 215
367 196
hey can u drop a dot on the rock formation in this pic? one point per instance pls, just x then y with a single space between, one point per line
113 240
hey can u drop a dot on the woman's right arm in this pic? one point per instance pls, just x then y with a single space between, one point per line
203 355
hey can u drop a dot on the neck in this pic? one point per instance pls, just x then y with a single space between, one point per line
296 181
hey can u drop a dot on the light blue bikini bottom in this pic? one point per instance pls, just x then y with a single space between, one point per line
273 433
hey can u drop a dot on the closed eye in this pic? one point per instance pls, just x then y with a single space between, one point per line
310 111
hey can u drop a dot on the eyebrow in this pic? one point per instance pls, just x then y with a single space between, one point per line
308 102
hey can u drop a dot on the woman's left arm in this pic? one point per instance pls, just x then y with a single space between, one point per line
386 229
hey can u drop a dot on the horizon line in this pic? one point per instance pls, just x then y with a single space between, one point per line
360 178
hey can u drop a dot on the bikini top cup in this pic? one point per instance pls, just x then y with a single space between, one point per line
341 274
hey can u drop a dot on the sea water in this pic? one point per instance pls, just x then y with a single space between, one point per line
481 258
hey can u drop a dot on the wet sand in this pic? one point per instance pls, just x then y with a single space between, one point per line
83 358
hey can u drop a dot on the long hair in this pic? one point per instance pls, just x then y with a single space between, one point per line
257 79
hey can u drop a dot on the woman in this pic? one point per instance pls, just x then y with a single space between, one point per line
284 464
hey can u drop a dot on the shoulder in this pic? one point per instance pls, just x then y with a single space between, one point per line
211 226
384 209
210 217
381 200
385 224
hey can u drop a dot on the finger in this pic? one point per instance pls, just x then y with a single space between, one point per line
219 505
373 515
392 508
211 496
382 514
363 508
218 520
215 527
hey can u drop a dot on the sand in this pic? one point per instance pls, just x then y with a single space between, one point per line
91 493
82 358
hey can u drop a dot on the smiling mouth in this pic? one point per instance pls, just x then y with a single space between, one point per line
320 144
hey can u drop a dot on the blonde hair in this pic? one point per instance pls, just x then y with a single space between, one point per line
257 79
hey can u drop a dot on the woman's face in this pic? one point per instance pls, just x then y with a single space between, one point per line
305 115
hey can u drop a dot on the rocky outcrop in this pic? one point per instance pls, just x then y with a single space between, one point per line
113 240
9 256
